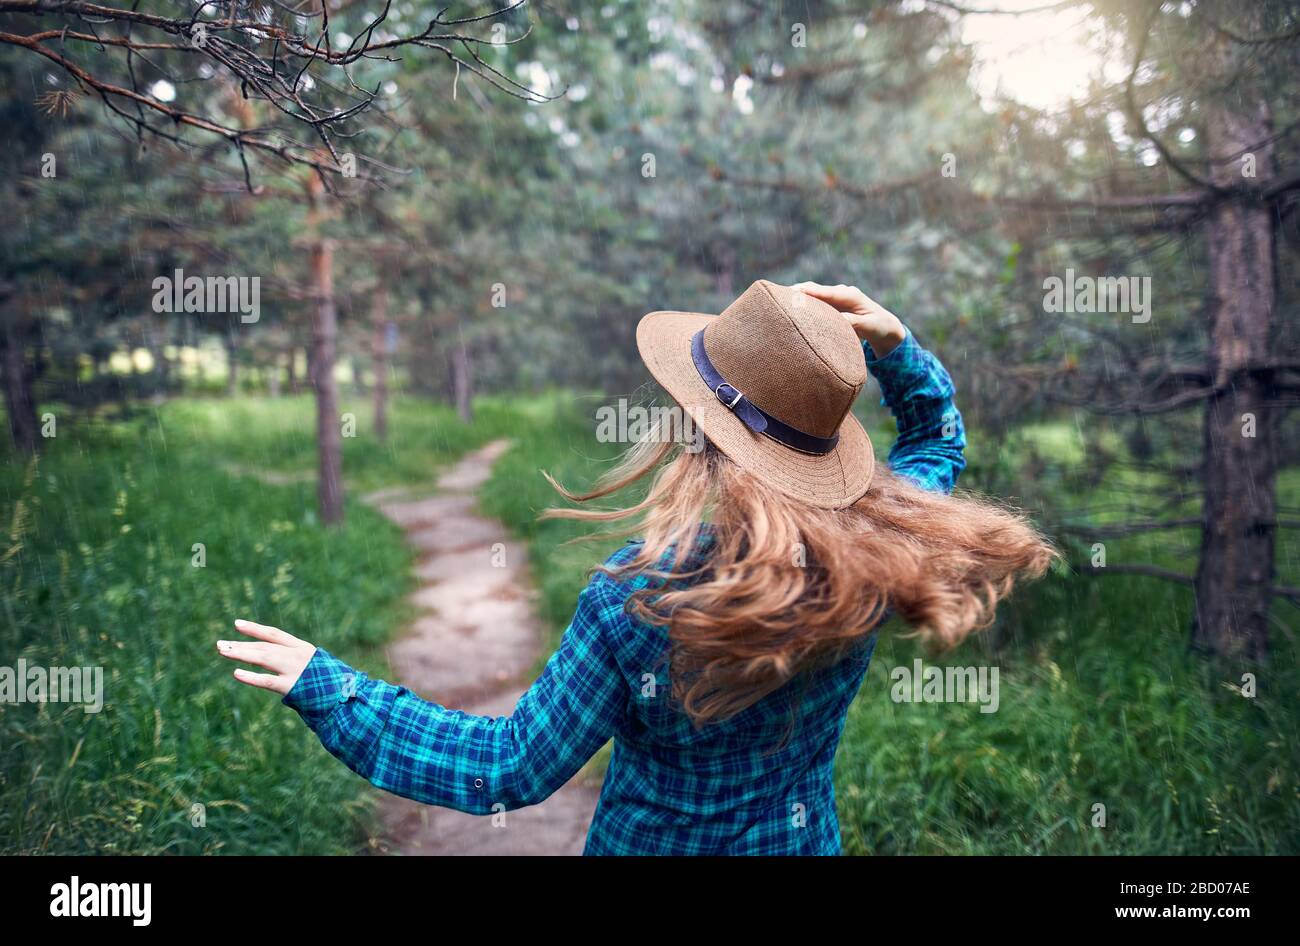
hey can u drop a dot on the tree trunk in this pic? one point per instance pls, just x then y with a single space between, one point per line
379 357
1239 470
358 373
329 438
155 342
232 364
724 275
462 381
273 374
19 376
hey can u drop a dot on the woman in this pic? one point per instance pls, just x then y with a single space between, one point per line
721 651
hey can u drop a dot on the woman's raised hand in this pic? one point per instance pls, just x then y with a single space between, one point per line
273 649
872 322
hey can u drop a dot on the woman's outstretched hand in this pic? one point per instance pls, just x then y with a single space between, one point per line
274 650
872 322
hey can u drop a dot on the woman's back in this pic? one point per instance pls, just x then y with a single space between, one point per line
758 782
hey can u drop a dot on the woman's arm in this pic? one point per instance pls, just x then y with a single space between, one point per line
931 443
421 750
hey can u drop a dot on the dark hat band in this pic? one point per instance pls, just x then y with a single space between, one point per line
753 416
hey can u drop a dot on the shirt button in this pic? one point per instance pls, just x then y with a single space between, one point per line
478 783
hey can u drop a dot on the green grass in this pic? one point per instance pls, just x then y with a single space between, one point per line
97 570
279 436
1100 703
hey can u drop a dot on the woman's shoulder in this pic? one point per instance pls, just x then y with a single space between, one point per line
625 554
615 576
602 605
625 571
637 643
620 569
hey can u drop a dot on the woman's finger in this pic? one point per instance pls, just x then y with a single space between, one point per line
264 632
264 681
812 288
835 295
271 656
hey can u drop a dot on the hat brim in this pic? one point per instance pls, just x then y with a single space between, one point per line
829 481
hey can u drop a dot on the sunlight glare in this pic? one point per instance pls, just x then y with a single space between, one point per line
1043 60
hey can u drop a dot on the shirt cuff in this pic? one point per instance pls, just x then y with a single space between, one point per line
896 359
325 683
908 374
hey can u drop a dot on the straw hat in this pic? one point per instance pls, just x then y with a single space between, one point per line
770 382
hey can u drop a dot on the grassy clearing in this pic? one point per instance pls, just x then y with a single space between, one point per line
98 570
279 435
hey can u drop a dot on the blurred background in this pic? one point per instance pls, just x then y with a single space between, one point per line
432 229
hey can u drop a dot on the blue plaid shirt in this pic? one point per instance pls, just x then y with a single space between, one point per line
757 783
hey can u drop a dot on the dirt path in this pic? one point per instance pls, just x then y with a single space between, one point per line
473 647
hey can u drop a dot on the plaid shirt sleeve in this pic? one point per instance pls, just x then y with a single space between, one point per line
475 764
919 393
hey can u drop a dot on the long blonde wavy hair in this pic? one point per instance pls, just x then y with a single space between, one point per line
785 586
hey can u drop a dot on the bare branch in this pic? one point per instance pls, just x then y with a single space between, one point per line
291 74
